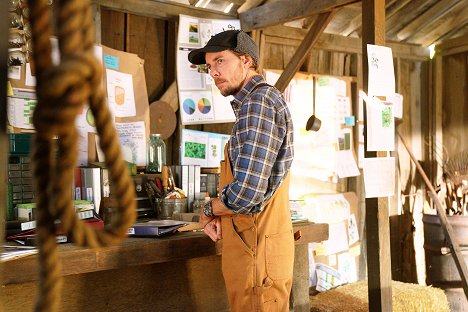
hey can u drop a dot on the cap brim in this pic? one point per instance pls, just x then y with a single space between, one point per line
197 56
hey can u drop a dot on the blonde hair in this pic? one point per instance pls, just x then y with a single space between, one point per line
239 54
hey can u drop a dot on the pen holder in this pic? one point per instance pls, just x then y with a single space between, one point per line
166 207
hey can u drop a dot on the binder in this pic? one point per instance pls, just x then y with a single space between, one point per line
91 186
155 227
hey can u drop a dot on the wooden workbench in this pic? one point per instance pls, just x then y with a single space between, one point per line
181 272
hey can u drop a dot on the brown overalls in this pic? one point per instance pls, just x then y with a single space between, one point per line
258 252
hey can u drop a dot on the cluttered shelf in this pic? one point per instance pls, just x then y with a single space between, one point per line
136 251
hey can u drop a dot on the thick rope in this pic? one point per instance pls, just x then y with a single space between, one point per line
62 91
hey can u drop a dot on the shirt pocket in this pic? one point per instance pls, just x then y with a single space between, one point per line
279 255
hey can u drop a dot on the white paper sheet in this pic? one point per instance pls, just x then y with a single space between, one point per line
194 33
203 149
120 93
381 72
337 238
397 101
380 126
379 176
189 78
82 147
345 164
14 72
133 141
222 106
20 112
353 232
29 80
189 32
196 106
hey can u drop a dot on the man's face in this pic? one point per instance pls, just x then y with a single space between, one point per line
228 70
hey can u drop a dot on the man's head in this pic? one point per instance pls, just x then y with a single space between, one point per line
231 57
234 40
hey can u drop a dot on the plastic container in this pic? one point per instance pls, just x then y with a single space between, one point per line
155 154
166 207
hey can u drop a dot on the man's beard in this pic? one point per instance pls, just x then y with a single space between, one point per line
231 90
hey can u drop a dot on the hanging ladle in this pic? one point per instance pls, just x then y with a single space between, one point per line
313 123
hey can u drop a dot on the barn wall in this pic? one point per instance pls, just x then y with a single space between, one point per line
157 47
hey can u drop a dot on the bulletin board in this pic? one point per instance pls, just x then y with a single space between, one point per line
199 99
320 158
125 86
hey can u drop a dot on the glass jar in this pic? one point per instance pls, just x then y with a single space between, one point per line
155 154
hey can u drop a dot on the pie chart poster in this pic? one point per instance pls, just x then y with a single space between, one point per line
196 107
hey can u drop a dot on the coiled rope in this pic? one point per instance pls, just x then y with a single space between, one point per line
62 91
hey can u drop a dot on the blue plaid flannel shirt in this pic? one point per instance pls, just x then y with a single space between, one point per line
260 147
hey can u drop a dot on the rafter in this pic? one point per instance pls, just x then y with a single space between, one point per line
435 12
161 9
432 32
405 15
282 11
249 4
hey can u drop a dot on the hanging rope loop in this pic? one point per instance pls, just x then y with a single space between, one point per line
62 92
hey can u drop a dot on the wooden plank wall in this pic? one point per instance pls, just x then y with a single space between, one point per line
154 41
411 76
455 100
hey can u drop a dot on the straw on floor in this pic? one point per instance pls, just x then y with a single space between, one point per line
406 297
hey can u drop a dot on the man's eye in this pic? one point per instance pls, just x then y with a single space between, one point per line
219 61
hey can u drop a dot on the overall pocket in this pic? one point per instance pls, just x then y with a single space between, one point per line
279 255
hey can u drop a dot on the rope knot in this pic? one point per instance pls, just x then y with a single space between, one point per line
66 88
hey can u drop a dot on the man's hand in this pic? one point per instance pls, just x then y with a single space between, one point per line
204 220
213 229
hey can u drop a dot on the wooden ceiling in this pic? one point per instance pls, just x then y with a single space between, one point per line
422 22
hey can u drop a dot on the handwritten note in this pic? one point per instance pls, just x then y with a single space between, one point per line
381 72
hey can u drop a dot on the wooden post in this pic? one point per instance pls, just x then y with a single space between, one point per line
4 32
97 21
377 216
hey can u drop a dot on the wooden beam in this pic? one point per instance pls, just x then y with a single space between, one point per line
97 21
282 11
162 9
432 32
455 33
436 11
407 13
4 33
284 35
460 43
377 215
249 4
302 51
354 24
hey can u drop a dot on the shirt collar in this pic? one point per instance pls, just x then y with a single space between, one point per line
236 103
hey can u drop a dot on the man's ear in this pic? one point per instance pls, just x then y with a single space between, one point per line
246 59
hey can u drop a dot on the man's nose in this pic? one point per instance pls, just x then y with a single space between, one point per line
214 73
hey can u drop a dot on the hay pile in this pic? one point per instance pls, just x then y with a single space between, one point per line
406 297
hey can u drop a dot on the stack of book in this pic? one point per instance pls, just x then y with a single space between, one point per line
24 232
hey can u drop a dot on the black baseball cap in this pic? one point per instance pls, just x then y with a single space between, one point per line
235 40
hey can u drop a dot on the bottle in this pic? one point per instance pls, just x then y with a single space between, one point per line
155 154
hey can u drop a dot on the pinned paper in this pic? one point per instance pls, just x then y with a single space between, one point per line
379 176
349 121
120 93
397 102
380 126
345 164
381 72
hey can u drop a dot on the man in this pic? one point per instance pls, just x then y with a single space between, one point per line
252 214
